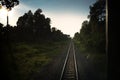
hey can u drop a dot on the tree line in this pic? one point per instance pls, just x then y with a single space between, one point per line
92 35
32 27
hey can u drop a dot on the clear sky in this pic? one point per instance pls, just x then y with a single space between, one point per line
66 15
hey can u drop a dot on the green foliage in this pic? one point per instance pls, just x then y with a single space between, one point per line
32 28
92 33
96 60
30 58
97 11
36 27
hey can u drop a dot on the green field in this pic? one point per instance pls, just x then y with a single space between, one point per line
30 58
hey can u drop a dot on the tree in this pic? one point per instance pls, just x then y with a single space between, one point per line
38 12
1 25
92 33
97 24
29 20
97 11
97 15
9 4
77 36
85 28
34 25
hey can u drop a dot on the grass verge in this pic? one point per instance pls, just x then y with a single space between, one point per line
96 59
30 58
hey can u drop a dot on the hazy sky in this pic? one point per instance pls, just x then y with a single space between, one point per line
66 15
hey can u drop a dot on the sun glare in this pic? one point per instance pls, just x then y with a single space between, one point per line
3 14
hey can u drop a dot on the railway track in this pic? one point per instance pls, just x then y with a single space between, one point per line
69 71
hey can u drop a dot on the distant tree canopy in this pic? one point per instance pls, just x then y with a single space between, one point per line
92 33
33 27
9 4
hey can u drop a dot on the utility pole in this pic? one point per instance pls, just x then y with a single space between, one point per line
106 26
7 20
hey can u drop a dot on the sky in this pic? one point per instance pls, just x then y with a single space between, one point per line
65 15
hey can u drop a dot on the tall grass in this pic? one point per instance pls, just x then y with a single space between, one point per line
30 58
